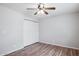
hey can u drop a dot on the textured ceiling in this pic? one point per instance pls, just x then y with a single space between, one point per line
61 8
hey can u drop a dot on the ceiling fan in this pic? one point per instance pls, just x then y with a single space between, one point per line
42 9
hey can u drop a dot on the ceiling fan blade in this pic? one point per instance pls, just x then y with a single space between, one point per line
35 13
38 5
50 8
31 8
45 12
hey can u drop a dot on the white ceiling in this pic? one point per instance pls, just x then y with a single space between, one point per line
61 8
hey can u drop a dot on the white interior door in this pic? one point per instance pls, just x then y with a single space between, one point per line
31 32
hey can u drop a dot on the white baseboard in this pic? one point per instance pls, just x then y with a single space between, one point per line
61 45
11 51
16 49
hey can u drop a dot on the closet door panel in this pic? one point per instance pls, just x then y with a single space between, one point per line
31 32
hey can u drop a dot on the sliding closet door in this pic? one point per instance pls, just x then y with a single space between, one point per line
31 32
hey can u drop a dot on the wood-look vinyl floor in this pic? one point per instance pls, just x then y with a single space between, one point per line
41 49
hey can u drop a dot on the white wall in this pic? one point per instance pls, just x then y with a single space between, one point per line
11 31
11 24
61 30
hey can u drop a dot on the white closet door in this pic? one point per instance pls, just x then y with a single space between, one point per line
31 32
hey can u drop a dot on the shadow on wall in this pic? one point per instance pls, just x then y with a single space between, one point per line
76 32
